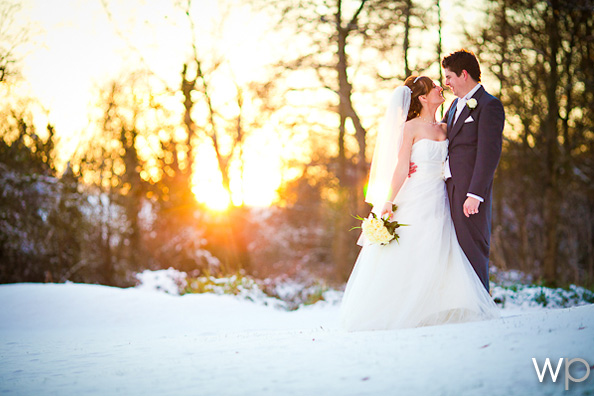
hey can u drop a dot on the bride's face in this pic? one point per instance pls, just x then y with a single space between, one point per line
435 96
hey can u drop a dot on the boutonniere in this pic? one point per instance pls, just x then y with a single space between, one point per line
472 103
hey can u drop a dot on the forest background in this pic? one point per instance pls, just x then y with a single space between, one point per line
234 137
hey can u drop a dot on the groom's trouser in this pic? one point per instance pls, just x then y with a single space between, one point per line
474 232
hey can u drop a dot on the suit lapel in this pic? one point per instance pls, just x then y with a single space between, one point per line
457 126
451 114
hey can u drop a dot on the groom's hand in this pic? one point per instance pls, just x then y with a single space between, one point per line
412 169
471 206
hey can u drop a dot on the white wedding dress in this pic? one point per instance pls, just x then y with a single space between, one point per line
424 278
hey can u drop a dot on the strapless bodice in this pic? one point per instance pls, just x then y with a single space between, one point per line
429 157
429 150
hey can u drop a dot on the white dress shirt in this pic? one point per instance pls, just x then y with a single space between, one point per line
459 107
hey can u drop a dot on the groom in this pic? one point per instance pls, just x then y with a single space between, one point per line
474 128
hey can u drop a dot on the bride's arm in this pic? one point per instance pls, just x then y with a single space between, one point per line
402 167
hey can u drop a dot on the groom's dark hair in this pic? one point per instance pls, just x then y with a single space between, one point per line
463 60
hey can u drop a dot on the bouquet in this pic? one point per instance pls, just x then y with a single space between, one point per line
379 230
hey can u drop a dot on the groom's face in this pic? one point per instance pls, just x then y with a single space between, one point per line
456 83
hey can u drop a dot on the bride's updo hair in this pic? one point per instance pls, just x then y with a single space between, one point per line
419 85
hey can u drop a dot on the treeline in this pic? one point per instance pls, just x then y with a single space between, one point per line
55 227
124 202
121 207
541 54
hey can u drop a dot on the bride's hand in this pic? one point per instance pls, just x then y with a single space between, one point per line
387 209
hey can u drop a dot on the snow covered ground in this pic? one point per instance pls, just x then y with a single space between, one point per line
73 339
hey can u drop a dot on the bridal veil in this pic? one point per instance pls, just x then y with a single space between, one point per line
387 146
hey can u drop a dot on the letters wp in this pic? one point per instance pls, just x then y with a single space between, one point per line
547 366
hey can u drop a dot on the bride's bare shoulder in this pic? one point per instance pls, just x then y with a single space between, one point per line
411 130
411 124
411 127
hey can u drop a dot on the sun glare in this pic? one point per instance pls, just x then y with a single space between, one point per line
216 198
259 192
256 186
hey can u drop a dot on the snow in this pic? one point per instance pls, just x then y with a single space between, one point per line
168 281
75 339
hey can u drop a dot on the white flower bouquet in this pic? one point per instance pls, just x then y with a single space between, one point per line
379 230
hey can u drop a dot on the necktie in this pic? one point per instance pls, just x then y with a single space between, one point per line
459 107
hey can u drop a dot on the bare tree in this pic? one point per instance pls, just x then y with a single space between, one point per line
12 36
210 121
339 32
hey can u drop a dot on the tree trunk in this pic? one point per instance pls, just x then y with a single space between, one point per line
187 87
107 265
343 94
439 51
551 132
406 44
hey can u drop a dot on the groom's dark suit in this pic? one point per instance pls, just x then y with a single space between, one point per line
474 151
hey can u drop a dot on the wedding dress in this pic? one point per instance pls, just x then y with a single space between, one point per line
424 278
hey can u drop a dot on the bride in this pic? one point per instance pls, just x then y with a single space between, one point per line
424 278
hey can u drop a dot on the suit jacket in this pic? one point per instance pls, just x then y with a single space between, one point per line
475 143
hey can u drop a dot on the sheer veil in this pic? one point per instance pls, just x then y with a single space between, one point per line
387 146
385 154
